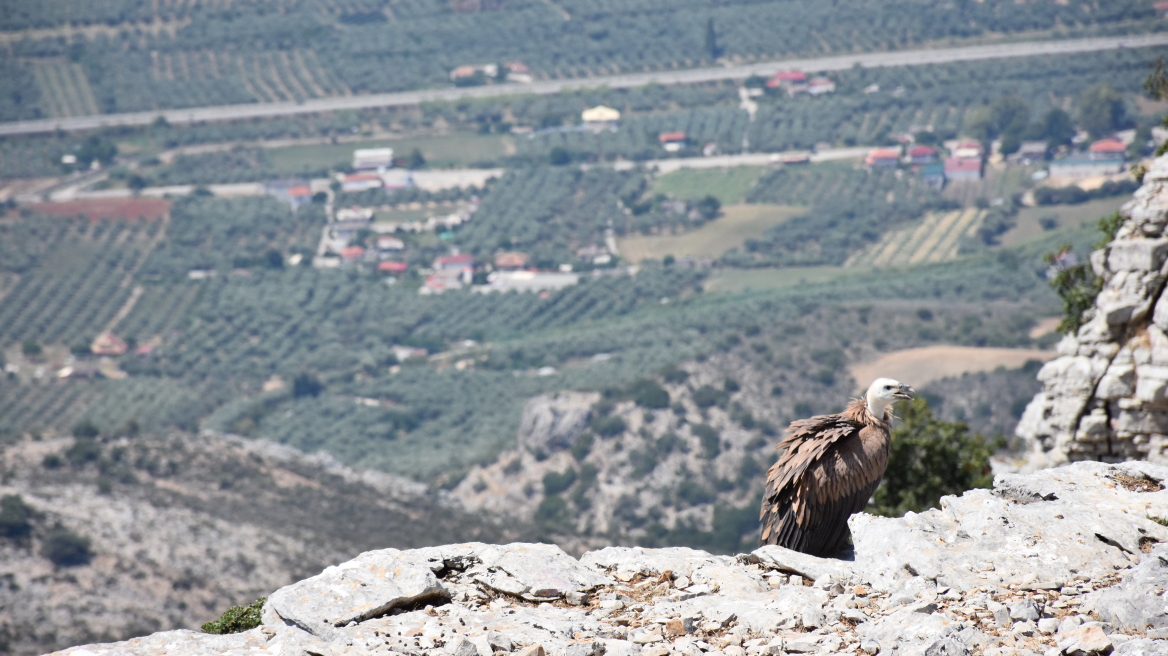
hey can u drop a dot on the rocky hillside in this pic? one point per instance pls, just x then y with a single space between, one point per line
103 539
1106 396
1067 561
679 457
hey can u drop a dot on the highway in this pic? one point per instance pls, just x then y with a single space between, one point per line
688 76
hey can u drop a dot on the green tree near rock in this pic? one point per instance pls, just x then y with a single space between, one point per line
931 458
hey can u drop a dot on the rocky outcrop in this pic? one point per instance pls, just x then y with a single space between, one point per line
1106 396
1070 561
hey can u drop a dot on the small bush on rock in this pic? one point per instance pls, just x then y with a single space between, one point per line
237 619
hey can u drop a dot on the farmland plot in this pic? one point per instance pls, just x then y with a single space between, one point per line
935 239
65 89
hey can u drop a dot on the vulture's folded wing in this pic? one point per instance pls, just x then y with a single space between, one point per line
819 481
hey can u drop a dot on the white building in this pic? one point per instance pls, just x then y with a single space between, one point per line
372 158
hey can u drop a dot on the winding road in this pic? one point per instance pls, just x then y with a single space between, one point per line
688 76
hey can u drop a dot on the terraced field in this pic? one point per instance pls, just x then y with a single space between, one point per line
935 239
65 89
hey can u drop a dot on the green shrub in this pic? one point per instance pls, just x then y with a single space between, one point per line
608 426
707 396
709 438
648 394
1077 284
931 458
552 510
554 483
582 446
693 493
84 450
237 619
66 548
673 374
85 429
15 517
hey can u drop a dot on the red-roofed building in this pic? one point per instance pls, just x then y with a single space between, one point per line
462 261
882 157
361 182
392 268
352 253
1108 149
792 82
817 86
968 150
1161 7
959 168
922 154
511 260
672 141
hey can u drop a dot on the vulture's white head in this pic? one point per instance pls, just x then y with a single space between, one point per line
883 392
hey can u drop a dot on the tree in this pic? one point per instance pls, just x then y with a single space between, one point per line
306 385
66 548
96 148
1056 128
15 517
559 156
930 458
708 207
415 160
1101 110
712 48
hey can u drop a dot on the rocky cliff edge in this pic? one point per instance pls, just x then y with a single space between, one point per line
1063 561
1106 396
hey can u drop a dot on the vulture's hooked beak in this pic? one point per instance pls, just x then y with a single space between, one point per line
904 392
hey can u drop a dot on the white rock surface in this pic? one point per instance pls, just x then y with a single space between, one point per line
1012 571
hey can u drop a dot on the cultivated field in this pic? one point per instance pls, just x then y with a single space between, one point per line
453 150
120 208
728 280
728 185
737 224
926 364
935 239
65 89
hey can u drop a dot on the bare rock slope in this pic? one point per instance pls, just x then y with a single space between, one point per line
1106 396
1067 561
104 540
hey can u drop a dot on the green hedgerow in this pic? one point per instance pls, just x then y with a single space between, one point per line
237 618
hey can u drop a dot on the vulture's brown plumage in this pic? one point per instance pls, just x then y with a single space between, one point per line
829 468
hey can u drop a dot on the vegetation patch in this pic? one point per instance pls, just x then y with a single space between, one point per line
737 225
237 619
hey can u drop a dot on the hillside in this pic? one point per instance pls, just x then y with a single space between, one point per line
115 537
131 55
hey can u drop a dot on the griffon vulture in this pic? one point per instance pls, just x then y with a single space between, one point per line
829 469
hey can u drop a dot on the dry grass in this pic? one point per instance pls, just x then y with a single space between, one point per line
737 224
918 366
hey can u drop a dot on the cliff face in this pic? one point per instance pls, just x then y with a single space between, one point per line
1065 561
1106 396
